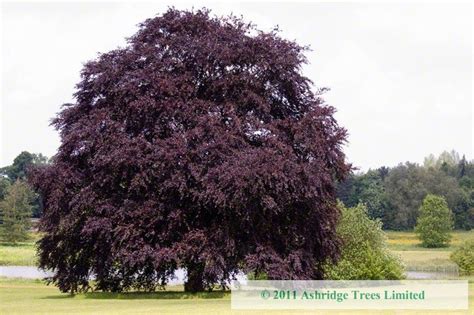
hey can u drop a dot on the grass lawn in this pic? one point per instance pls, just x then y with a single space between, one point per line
33 297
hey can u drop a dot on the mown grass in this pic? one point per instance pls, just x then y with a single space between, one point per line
34 297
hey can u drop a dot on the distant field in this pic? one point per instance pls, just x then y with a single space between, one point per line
19 254
33 297
407 246
407 240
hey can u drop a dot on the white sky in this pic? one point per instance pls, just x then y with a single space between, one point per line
400 74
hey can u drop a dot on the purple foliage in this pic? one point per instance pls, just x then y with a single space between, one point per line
200 145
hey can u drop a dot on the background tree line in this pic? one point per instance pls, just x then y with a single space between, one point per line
18 202
13 184
394 195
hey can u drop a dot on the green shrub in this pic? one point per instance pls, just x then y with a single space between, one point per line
464 257
257 276
435 222
364 254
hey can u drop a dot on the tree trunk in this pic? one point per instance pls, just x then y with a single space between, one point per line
195 281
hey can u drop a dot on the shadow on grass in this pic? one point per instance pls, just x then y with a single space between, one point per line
159 295
419 247
17 244
58 297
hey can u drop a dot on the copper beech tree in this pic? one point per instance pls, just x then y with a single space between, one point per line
200 145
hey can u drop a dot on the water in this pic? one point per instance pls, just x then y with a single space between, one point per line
23 272
423 275
35 273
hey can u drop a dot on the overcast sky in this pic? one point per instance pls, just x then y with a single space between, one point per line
400 74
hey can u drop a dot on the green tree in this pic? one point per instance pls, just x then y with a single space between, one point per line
364 254
464 211
19 169
408 184
463 256
405 188
21 164
15 212
435 222
366 188
370 191
346 190
445 159
4 183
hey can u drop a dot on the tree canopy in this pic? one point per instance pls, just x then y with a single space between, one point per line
463 256
435 222
200 145
21 164
364 254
